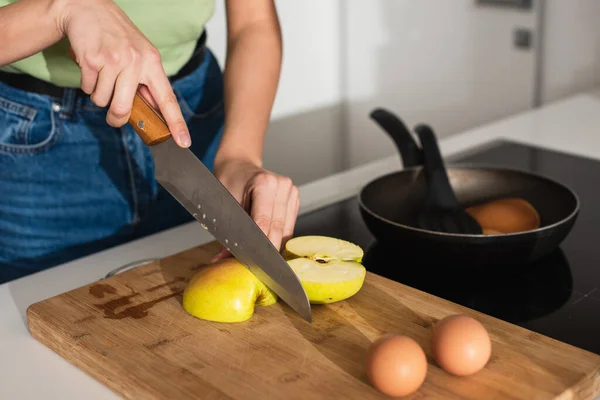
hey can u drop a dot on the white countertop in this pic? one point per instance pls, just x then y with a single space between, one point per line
30 370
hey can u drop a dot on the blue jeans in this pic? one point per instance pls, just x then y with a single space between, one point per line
71 185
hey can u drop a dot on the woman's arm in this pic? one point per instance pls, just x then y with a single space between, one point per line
115 58
27 27
254 53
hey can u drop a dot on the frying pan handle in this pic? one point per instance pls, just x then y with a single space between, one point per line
397 131
440 193
145 120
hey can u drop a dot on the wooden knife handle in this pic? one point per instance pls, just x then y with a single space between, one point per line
147 122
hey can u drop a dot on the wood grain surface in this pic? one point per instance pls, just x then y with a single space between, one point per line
147 122
130 333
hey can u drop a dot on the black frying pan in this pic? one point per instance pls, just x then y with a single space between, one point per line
390 204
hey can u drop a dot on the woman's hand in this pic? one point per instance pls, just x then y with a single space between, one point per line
115 59
272 200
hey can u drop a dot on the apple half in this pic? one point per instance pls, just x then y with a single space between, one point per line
226 291
329 269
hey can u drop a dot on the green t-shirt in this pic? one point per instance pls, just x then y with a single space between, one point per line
172 26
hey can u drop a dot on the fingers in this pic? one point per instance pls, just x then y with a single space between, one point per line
273 202
223 254
274 208
280 211
263 194
122 101
163 94
145 92
89 74
105 85
291 215
89 78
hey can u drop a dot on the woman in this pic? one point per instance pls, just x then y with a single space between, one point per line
74 176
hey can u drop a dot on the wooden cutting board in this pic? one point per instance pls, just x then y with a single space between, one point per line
131 333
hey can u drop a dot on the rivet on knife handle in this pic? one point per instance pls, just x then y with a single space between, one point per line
147 123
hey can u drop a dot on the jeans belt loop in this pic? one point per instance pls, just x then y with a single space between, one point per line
68 103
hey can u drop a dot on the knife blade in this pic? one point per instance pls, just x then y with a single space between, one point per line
192 184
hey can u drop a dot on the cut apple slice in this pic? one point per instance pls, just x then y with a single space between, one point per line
329 269
226 291
328 282
323 248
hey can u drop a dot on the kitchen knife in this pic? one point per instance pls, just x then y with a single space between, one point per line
188 180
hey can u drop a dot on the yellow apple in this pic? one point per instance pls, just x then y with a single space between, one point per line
226 291
329 269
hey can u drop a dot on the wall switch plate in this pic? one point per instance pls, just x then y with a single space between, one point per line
523 38
521 4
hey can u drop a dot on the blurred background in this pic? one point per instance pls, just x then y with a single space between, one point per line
453 64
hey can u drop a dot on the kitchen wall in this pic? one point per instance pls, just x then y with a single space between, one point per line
572 47
451 64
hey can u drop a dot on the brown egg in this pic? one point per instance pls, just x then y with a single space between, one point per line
507 215
396 365
461 345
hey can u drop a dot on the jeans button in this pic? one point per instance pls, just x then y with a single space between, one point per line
55 107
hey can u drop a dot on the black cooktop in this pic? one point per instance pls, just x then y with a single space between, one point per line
558 296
